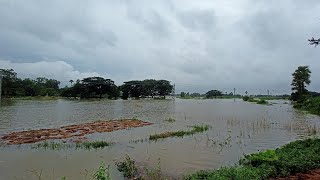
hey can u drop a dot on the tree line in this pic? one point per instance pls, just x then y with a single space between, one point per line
90 87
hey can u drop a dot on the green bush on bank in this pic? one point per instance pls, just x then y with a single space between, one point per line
296 157
311 104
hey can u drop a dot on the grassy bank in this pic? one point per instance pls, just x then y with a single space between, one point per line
195 129
311 104
296 157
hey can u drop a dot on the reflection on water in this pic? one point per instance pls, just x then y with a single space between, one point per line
237 128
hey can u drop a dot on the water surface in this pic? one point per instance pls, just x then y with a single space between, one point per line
237 128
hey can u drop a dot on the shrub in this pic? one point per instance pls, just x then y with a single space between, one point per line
245 98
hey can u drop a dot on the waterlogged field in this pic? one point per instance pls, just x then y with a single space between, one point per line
186 135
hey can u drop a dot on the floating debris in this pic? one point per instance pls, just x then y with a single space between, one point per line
79 130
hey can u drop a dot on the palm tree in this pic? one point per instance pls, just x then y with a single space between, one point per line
71 81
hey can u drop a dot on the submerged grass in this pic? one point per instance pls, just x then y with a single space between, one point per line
296 157
170 120
84 145
254 100
195 129
127 167
94 145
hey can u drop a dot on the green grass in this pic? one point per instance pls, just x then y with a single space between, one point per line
195 129
311 105
94 145
262 101
296 157
102 173
127 167
255 100
170 120
84 145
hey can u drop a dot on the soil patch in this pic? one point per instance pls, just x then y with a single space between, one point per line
79 130
312 175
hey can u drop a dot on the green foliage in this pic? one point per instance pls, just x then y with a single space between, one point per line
95 144
102 173
311 104
300 78
170 120
262 101
251 99
296 157
245 98
227 173
92 87
13 86
195 129
213 94
145 88
127 167
259 158
84 145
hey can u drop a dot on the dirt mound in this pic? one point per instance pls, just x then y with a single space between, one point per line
312 175
64 132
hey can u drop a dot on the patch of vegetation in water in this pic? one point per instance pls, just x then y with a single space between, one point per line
130 170
170 120
195 129
262 101
254 100
93 145
102 173
83 145
296 157
128 167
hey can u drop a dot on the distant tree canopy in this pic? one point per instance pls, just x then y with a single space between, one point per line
92 87
13 86
213 93
300 78
146 88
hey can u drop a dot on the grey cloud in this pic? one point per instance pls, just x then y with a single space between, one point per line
203 20
199 45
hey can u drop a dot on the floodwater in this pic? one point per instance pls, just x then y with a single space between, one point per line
238 128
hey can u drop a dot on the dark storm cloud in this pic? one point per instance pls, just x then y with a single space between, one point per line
199 45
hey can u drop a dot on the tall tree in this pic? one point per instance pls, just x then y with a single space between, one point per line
213 93
8 82
301 78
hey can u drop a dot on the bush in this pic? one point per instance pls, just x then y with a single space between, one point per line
245 98
262 101
296 157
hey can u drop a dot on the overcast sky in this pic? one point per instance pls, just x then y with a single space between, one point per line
196 44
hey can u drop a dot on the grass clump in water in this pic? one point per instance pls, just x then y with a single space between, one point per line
297 157
262 101
94 145
254 100
84 145
195 129
102 173
170 120
127 167
51 145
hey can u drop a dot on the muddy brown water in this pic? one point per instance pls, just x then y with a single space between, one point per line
238 128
